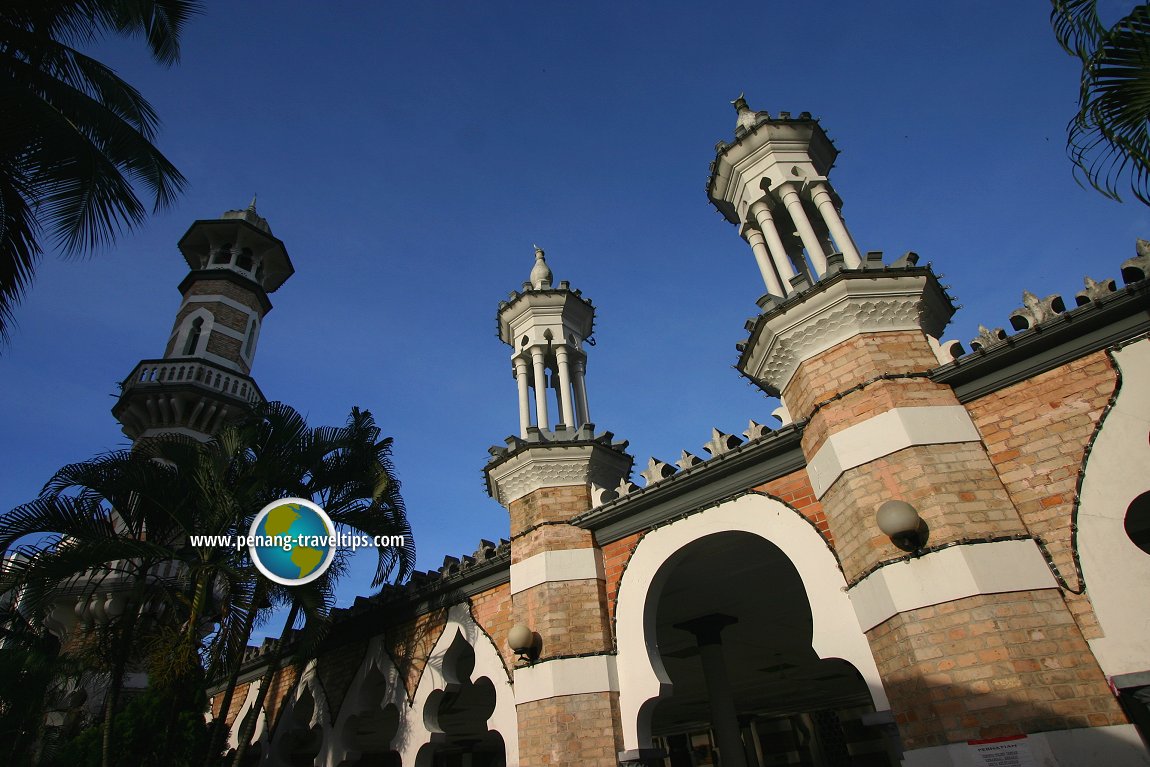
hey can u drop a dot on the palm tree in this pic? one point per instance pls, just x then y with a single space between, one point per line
347 471
75 139
122 522
104 527
1109 139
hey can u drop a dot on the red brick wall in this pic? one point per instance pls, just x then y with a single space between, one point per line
493 612
857 359
410 645
616 555
1036 433
795 490
572 730
989 666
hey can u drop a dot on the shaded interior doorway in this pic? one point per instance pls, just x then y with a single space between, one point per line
737 597
371 729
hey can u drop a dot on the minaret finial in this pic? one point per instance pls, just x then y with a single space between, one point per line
740 104
252 204
540 273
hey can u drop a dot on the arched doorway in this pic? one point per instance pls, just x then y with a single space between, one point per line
735 634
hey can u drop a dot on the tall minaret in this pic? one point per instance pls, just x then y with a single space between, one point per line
772 183
566 697
203 378
848 350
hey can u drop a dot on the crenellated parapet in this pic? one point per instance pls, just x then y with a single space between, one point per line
1038 315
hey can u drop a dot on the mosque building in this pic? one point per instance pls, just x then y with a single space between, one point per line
936 558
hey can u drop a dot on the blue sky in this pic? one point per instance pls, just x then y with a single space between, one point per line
409 155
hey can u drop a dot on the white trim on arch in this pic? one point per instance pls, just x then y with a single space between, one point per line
414 733
320 717
1117 572
337 751
836 631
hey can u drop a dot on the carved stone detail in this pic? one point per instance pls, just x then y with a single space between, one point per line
786 337
987 339
721 443
1094 291
687 460
756 430
657 470
1035 310
555 465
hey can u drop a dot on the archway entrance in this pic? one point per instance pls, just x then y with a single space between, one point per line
458 715
733 626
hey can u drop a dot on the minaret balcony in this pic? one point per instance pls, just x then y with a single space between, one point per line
191 394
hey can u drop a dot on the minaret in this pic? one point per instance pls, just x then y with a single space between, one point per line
567 694
849 353
203 378
772 183
546 329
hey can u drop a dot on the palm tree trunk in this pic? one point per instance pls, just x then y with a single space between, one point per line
112 698
218 728
248 726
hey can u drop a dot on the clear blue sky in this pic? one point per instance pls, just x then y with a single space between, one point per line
409 154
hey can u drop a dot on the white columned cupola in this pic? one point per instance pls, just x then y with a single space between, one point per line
546 327
772 184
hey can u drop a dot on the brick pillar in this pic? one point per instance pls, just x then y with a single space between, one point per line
567 698
982 645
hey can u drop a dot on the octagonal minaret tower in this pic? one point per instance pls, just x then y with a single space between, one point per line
546 328
566 697
772 183
204 377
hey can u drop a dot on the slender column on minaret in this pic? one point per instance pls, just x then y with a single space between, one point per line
584 414
540 389
794 205
524 400
759 247
762 214
561 362
821 197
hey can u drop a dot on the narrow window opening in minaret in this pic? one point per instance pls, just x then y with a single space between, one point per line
245 260
251 339
220 256
227 252
194 336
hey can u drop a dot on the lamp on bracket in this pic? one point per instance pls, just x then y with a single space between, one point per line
900 521
523 642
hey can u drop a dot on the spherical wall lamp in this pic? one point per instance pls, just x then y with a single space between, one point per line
521 640
900 521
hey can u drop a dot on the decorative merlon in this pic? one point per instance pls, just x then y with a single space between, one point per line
1034 310
657 470
721 443
756 430
687 460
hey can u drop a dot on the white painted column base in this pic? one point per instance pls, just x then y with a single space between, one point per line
561 565
566 676
949 574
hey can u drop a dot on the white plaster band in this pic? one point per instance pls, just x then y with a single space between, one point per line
566 676
209 298
887 433
552 566
953 573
